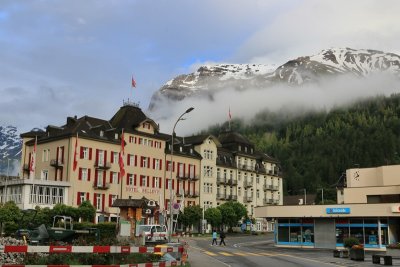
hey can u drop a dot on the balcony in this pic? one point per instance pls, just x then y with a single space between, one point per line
275 201
245 167
102 165
182 177
248 198
232 197
274 188
267 187
268 201
221 196
248 183
221 180
193 194
193 177
57 163
232 181
101 186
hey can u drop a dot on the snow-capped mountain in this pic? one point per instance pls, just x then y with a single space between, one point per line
208 79
10 147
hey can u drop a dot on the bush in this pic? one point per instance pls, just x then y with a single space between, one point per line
350 242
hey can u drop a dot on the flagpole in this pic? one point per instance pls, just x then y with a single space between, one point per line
33 170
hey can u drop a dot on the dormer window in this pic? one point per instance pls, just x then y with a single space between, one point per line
240 148
245 149
180 149
116 136
101 133
191 151
251 151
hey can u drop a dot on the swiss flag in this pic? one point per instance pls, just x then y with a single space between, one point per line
121 156
133 82
33 159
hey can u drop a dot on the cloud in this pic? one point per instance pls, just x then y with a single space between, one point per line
290 100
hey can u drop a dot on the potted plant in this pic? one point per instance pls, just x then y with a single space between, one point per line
356 250
393 250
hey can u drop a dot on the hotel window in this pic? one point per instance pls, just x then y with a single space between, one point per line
98 201
239 191
143 180
145 162
140 141
114 177
82 197
100 179
113 198
156 164
258 193
84 174
130 179
85 153
45 175
115 157
46 155
157 182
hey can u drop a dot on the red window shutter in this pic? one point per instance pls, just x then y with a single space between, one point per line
194 187
148 162
103 201
29 160
80 174
119 178
111 175
184 170
105 157
97 157
90 153
104 178
95 177
95 200
173 184
154 164
62 154
81 153
127 178
61 174
88 175
78 200
141 181
87 196
173 166
135 140
183 186
194 170
128 160
57 153
134 179
188 187
159 182
110 200
112 157
148 181
135 160
160 168
177 186
141 162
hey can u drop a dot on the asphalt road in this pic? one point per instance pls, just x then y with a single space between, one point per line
260 251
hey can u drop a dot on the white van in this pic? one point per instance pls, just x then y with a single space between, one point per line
153 232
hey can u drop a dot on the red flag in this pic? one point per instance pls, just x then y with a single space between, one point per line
33 159
133 82
75 164
121 157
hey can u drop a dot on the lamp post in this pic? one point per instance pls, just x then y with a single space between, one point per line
322 195
305 196
170 180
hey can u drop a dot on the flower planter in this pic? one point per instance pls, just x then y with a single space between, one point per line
357 254
394 252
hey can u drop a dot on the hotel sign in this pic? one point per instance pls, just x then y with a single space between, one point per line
142 190
337 210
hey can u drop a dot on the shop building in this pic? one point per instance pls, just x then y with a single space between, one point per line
368 209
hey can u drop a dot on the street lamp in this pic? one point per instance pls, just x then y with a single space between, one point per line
305 196
170 180
322 195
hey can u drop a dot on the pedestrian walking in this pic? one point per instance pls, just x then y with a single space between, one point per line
222 237
214 237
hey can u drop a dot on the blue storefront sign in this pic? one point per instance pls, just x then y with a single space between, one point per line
338 210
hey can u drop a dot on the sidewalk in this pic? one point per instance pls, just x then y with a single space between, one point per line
197 258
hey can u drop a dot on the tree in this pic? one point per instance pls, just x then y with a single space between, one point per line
213 217
190 216
86 211
9 213
228 215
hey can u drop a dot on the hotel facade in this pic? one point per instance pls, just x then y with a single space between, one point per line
205 170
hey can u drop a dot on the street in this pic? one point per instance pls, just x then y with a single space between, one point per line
250 250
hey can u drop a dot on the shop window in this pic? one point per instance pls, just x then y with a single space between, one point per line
295 234
371 236
283 234
308 234
357 232
341 234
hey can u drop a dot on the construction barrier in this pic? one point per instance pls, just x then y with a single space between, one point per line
87 249
154 264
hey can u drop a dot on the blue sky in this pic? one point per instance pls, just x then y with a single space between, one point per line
71 57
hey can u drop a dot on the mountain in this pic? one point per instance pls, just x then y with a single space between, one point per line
208 79
10 148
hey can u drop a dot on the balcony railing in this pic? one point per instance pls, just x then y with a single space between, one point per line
57 163
232 181
245 167
221 196
275 201
102 165
193 194
268 201
101 186
248 198
221 180
274 187
182 176
193 177
248 183
232 197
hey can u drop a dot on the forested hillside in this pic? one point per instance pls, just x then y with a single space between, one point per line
315 148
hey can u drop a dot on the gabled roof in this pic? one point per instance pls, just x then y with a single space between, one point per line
230 137
199 139
129 117
133 203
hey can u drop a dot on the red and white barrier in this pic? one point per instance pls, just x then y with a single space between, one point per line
149 264
87 249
